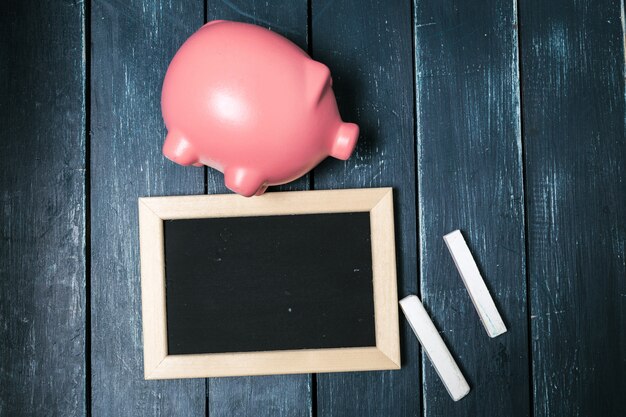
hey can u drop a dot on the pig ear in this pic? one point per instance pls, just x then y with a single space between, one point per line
178 149
317 80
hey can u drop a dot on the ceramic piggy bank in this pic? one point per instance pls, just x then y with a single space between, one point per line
248 102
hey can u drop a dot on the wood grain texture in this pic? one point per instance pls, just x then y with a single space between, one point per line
42 214
470 178
574 136
275 396
469 153
270 204
252 396
132 44
367 46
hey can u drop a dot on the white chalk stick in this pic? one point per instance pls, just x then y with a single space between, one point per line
475 284
435 348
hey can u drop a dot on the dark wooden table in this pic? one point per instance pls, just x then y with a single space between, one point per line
504 119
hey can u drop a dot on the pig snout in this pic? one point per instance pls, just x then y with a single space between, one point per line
345 141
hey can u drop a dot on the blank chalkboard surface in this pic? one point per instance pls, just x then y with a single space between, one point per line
241 284
287 282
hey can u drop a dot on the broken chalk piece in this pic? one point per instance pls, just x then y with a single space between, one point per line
435 348
475 284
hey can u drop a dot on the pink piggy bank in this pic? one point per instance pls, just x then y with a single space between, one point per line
251 104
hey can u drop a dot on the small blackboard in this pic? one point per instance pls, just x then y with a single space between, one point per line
282 283
244 284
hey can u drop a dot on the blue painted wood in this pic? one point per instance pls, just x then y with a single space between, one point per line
132 43
470 178
276 395
466 92
42 209
367 46
574 135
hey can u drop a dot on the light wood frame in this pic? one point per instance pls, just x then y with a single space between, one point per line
159 365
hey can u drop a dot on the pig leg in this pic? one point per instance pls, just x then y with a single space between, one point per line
345 141
244 181
178 149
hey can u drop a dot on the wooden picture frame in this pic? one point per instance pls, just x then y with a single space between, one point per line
159 365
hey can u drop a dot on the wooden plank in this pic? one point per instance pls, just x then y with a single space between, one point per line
259 395
42 215
280 395
573 118
368 49
271 204
470 178
132 44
